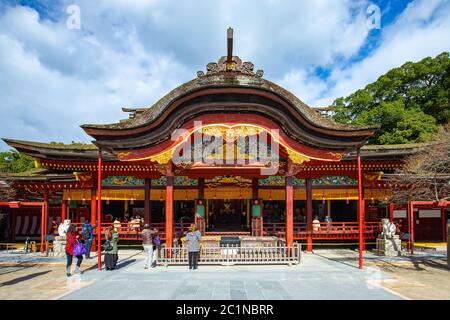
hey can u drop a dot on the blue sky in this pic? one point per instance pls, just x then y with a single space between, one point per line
131 53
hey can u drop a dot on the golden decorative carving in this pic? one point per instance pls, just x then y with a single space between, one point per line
297 158
373 176
79 176
336 155
122 155
162 158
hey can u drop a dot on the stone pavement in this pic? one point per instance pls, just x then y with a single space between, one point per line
316 278
326 274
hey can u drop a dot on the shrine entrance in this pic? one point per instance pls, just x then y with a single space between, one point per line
227 215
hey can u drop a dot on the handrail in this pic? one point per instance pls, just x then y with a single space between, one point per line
233 254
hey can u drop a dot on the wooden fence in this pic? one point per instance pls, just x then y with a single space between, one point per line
233 254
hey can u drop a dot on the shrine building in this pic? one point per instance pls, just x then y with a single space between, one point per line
230 151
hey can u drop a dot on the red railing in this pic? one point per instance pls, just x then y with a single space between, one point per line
132 231
334 230
324 231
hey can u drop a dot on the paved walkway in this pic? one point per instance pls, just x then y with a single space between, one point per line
316 278
327 274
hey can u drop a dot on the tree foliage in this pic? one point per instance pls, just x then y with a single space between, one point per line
15 162
426 174
409 103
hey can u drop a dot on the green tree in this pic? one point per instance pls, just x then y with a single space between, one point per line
409 103
14 162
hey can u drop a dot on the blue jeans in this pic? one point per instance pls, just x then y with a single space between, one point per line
88 245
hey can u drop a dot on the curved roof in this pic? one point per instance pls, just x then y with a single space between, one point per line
229 89
229 80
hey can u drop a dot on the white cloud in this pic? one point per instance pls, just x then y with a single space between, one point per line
422 30
131 53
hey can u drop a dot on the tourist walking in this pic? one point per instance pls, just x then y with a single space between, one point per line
88 236
111 256
193 238
73 247
147 242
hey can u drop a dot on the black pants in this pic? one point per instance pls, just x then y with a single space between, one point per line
193 260
69 260
111 261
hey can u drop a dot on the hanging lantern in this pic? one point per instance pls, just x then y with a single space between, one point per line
132 201
323 198
160 197
84 201
186 196
107 200
347 201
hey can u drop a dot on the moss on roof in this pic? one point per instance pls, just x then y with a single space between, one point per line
394 146
54 145
29 173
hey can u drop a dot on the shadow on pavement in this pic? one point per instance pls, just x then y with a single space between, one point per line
25 278
6 270
339 260
125 263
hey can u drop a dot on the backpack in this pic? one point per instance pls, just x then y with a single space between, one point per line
156 241
85 233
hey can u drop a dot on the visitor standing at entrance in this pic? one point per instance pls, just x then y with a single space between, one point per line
212 220
193 237
88 236
111 256
244 220
72 240
147 243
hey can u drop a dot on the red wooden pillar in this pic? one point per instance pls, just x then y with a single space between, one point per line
201 189
410 213
203 223
99 210
255 193
391 212
360 211
42 226
309 214
289 212
63 210
169 212
444 224
94 217
45 198
147 204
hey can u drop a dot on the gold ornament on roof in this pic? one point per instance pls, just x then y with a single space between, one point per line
162 158
296 157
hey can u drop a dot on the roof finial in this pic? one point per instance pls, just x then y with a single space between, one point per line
230 63
229 45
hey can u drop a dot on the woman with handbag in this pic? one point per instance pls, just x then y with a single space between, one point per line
111 256
74 247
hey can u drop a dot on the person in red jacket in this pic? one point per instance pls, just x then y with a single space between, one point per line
72 239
